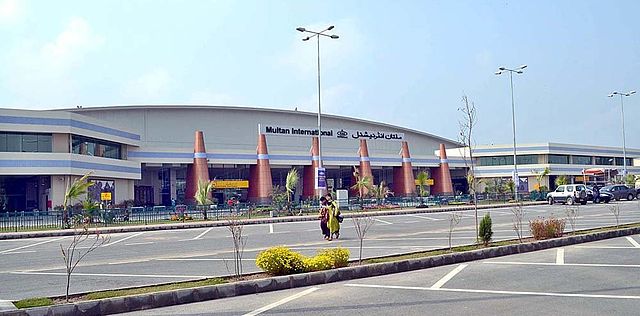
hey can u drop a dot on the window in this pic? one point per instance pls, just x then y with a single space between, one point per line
581 160
559 159
95 147
25 142
607 161
527 159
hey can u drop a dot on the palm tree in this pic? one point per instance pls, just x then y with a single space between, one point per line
74 191
290 185
421 179
202 196
362 184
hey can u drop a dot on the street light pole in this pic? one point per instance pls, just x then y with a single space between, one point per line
518 70
624 141
317 35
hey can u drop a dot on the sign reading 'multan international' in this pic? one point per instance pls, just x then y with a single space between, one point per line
330 133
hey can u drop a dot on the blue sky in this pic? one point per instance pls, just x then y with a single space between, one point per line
400 62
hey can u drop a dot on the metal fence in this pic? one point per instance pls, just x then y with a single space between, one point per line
38 220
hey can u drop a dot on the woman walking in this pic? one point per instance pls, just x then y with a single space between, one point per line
334 217
324 218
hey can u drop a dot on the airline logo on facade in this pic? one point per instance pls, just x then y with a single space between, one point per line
330 133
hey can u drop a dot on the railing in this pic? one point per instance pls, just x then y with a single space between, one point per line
38 220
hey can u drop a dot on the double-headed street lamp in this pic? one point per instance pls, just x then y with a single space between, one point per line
317 35
518 70
624 143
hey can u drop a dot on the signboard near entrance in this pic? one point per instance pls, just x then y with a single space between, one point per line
230 184
321 179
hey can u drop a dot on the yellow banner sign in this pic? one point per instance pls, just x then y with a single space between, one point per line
230 184
105 196
429 182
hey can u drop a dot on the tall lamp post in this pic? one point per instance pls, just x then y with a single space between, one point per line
624 142
317 35
518 70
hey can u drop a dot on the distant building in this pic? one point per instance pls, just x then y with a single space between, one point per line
595 164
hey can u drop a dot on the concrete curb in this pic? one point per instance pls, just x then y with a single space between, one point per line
266 220
184 296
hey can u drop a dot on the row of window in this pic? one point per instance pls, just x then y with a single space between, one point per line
95 147
553 159
25 142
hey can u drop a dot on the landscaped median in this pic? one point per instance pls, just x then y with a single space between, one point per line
252 221
254 284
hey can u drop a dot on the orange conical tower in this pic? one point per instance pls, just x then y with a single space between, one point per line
309 177
260 182
404 183
199 170
442 175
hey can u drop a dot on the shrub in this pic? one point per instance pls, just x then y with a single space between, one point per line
546 228
485 232
318 263
339 255
280 261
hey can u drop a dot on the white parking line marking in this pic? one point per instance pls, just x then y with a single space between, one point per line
382 221
449 276
270 228
560 256
123 239
282 301
32 245
139 243
425 217
567 264
633 242
203 233
119 275
495 292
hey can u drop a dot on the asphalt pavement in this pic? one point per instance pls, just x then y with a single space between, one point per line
598 278
34 267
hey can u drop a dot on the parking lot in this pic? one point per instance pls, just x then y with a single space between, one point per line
596 278
34 267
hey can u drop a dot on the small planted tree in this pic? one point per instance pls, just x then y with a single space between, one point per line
74 191
72 255
615 211
422 178
362 222
362 185
236 228
454 220
203 192
485 229
518 216
290 186
572 212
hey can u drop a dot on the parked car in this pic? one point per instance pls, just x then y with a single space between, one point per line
620 191
569 194
603 196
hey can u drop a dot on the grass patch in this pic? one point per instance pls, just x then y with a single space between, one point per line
151 289
33 302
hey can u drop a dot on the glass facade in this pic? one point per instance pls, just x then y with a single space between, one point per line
95 147
606 161
558 159
581 160
25 142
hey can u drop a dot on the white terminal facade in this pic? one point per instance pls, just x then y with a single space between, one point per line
599 164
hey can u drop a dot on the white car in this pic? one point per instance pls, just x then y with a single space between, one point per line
569 194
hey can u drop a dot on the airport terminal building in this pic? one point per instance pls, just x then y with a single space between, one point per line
154 155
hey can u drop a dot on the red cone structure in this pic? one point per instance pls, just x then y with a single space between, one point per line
442 175
199 170
309 173
404 183
365 164
260 182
